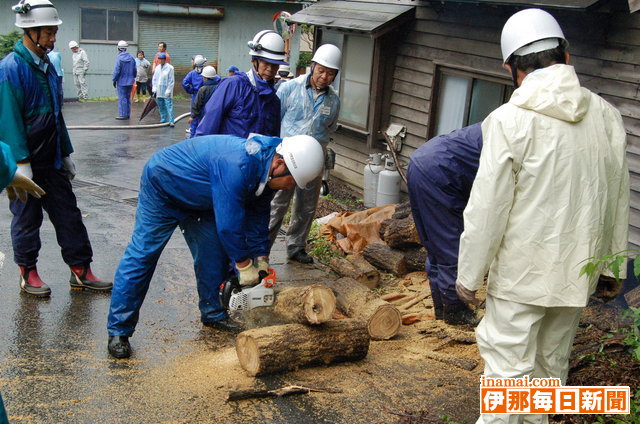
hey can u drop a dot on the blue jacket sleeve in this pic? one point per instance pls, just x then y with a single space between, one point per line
216 108
12 130
7 165
187 84
116 70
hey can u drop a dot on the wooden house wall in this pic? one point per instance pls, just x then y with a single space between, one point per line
604 50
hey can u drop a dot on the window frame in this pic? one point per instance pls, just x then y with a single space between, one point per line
443 69
134 30
380 82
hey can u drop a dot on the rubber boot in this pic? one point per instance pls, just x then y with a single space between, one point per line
83 278
31 283
119 347
460 314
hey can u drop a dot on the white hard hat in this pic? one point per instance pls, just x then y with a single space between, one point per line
35 13
73 44
122 44
530 31
199 60
284 68
209 72
304 158
328 55
269 46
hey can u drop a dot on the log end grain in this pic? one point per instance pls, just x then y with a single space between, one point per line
248 354
319 304
384 323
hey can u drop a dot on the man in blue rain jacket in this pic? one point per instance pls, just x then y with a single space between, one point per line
218 190
247 103
440 176
123 77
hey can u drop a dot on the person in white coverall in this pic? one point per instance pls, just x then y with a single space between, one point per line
552 190
163 82
80 68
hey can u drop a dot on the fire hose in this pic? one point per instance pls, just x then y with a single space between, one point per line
125 127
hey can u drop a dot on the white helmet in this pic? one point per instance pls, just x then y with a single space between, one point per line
122 45
209 72
328 55
304 158
199 60
530 31
269 46
35 13
73 44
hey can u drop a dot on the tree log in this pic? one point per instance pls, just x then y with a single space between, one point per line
633 297
401 233
415 258
268 350
382 318
306 305
383 257
403 210
356 267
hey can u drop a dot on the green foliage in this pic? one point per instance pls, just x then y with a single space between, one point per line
595 266
447 420
321 248
7 41
304 60
633 333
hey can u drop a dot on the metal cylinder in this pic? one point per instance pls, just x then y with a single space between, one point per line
371 173
388 185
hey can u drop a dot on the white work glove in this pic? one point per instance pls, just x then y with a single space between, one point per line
21 186
466 295
262 263
69 167
167 93
248 275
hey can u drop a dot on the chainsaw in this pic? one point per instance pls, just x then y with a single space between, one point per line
235 297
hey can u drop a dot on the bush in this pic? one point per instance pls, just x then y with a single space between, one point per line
7 41
304 60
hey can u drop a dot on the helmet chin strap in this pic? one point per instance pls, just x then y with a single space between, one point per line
36 41
514 72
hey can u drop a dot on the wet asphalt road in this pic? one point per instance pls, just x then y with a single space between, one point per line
54 366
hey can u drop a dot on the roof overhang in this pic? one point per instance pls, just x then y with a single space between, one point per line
558 4
374 19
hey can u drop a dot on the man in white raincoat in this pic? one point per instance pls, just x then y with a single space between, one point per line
552 189
309 105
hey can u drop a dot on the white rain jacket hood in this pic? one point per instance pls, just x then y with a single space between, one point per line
552 190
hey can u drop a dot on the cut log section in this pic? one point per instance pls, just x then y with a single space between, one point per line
306 305
356 267
268 350
401 233
382 318
633 298
383 257
403 210
415 258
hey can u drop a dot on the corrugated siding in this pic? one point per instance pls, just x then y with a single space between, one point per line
194 36
604 52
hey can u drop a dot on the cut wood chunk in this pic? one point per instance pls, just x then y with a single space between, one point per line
268 350
403 210
633 298
401 233
383 257
306 305
415 258
356 267
382 318
392 297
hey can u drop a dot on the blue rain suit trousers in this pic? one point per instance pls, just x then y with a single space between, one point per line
124 100
156 220
440 176
165 107
60 204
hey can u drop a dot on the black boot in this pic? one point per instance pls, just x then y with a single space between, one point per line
119 347
302 257
460 314
227 324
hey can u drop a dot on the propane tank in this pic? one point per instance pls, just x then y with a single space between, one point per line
388 184
371 173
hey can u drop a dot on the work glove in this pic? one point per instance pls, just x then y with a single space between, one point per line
262 263
69 167
248 275
167 93
114 84
21 185
608 288
466 295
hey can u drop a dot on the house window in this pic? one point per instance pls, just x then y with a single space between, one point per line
353 82
106 24
464 98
